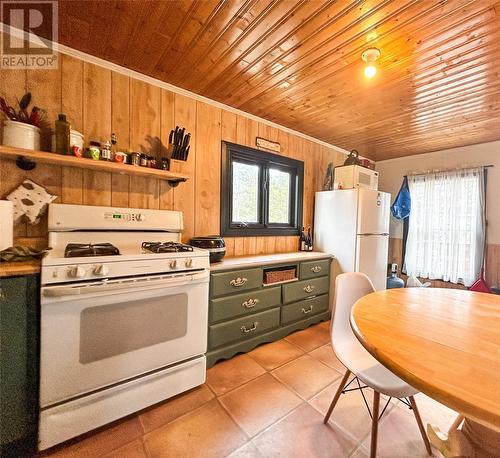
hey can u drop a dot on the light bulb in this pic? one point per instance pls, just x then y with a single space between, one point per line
370 71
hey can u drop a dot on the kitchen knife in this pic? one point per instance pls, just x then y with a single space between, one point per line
185 144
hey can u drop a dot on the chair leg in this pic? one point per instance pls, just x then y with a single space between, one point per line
337 396
420 425
376 406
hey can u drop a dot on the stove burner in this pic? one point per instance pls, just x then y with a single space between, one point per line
165 247
75 250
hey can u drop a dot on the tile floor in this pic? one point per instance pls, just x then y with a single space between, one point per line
267 403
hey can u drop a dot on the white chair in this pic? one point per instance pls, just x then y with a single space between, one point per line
350 287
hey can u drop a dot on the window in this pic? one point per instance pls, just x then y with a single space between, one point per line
261 193
446 233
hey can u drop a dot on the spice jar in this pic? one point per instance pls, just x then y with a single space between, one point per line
152 162
120 157
135 158
144 160
164 163
106 151
94 150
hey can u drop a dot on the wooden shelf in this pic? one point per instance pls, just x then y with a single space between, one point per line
43 157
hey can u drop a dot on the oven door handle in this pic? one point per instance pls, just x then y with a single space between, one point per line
140 283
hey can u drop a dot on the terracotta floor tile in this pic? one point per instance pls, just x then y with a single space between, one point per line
325 325
350 413
435 413
310 338
275 354
360 452
303 434
326 355
169 410
226 375
204 432
249 450
102 442
398 435
259 403
133 450
306 376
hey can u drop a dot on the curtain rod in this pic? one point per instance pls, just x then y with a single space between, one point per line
448 170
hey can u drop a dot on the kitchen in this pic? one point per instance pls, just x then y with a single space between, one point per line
109 92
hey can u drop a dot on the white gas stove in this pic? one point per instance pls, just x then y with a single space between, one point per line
124 312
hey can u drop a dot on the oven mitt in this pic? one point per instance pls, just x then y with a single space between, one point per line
30 200
21 253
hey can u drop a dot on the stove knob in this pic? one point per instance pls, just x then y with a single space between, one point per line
101 270
141 217
189 263
77 272
173 264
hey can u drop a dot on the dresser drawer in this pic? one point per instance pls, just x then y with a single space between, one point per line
300 290
243 304
313 269
243 328
303 309
235 281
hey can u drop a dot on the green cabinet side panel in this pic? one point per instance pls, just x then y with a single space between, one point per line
19 317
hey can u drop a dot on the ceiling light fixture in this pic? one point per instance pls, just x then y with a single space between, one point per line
370 56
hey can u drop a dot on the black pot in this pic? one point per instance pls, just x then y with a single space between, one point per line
213 243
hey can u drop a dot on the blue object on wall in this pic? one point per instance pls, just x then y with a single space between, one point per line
401 206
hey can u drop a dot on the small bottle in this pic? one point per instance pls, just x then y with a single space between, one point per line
62 131
309 242
302 240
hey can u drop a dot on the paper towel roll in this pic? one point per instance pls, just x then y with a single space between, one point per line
6 224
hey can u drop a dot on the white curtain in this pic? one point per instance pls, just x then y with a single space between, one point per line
447 225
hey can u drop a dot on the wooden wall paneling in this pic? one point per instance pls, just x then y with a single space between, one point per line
72 105
208 163
167 123
96 126
120 126
229 129
72 90
145 109
46 92
185 110
12 87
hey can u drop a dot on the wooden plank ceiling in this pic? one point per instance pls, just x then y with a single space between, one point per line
298 63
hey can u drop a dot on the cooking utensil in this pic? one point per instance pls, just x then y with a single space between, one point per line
8 110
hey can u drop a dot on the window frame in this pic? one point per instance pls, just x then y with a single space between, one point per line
265 160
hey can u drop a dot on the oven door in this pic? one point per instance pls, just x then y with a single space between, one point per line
98 334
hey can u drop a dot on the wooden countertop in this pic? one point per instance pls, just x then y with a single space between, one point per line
444 342
238 262
11 269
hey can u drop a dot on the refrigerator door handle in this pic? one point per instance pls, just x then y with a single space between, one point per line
375 233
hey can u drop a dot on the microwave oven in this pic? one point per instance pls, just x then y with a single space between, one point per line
355 176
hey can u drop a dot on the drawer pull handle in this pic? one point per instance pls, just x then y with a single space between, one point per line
309 288
309 310
316 269
250 303
253 328
236 282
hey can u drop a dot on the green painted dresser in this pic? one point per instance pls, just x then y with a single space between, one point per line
244 312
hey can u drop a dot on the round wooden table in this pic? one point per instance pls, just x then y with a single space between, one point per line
445 343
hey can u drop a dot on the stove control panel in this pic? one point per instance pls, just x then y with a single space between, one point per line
122 216
148 265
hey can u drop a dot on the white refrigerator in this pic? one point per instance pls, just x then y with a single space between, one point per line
353 226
